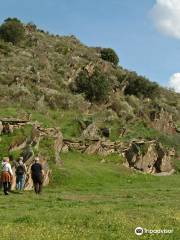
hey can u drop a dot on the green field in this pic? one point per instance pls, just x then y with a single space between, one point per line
88 199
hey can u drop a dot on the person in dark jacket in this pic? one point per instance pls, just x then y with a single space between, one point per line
20 174
37 176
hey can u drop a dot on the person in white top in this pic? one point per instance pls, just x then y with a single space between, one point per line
6 175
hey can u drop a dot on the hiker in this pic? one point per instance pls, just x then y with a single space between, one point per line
20 174
37 175
6 175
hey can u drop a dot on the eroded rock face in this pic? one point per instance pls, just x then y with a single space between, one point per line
102 147
58 144
149 157
31 144
163 122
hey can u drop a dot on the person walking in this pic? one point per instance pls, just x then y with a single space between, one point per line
20 175
37 175
6 175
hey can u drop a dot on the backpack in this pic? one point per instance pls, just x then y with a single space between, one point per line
20 170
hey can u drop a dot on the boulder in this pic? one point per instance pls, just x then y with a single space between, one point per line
148 156
93 148
92 132
65 149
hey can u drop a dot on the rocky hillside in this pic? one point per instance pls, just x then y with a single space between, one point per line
60 82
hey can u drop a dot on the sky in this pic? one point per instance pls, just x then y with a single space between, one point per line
145 34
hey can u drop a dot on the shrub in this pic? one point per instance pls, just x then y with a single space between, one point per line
95 87
140 86
109 55
65 100
4 47
31 26
12 30
122 108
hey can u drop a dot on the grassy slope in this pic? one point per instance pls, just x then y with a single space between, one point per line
91 200
88 199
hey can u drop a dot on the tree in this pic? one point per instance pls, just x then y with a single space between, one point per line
140 86
109 55
12 30
95 87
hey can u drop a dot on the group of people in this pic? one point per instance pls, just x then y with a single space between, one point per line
21 175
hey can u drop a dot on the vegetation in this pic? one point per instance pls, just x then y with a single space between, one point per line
109 55
12 30
58 81
95 87
139 85
91 200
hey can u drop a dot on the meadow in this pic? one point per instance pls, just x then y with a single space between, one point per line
88 199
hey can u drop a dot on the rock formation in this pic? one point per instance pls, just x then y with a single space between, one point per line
148 156
163 121
91 132
27 146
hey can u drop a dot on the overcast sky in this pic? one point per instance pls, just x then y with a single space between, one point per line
145 34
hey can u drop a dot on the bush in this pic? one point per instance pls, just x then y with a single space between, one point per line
95 87
140 86
122 108
109 55
31 26
12 30
4 47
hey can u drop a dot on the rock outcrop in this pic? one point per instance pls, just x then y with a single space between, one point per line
163 121
92 132
29 147
149 157
146 156
102 147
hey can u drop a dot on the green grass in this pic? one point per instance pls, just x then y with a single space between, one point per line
18 136
88 199
65 120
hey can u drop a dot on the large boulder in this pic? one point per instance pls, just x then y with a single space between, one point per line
148 156
92 132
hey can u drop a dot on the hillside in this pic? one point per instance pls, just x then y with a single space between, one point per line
97 127
40 75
